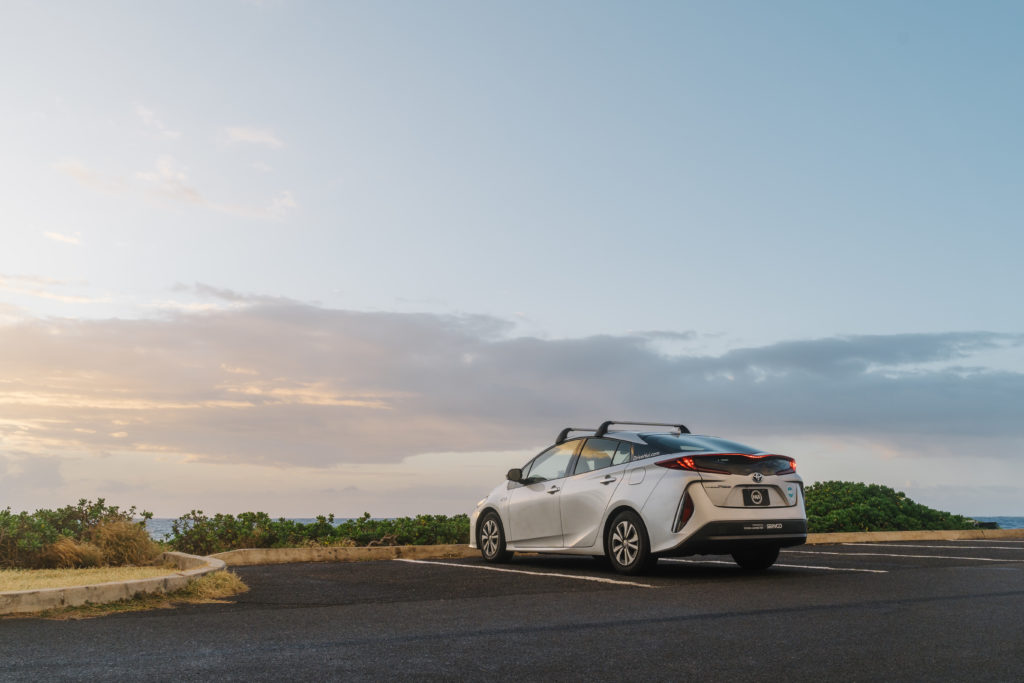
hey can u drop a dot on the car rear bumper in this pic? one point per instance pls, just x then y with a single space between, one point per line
724 537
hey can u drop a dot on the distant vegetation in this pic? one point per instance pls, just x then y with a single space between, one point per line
199 534
85 535
94 534
850 506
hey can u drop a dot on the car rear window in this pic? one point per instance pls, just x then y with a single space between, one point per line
665 444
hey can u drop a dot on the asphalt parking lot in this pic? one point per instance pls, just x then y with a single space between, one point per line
949 610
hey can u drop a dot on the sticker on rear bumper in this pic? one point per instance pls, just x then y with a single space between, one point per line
766 526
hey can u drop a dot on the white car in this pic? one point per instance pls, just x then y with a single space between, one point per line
635 496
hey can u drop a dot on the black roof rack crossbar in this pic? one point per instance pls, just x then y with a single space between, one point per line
565 432
603 429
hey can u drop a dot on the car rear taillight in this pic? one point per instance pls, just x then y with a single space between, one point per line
731 463
691 463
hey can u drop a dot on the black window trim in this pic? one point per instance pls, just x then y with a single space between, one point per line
579 452
572 461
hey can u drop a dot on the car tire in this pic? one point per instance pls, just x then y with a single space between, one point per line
756 559
626 544
490 538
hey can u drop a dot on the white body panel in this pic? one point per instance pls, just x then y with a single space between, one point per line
583 500
532 518
570 515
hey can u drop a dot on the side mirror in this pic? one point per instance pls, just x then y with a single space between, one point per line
515 474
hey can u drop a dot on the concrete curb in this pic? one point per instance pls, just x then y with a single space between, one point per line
255 556
252 556
190 568
883 536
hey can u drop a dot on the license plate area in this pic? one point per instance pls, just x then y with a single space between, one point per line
756 498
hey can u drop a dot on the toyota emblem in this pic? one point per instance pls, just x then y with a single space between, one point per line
757 477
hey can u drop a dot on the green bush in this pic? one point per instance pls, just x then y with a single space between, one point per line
200 534
849 506
27 540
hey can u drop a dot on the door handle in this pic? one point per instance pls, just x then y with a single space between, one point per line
607 479
554 489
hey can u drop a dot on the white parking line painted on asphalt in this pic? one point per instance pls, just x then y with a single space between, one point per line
792 566
597 579
924 557
946 547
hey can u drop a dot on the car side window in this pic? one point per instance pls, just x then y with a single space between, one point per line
622 453
642 451
596 454
552 463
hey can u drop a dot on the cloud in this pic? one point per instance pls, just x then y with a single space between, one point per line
252 135
89 177
321 387
66 239
169 180
21 473
150 120
44 288
282 203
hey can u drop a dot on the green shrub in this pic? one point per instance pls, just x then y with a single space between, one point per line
27 540
849 506
200 534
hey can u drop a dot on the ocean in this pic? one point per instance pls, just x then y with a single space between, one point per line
158 527
1004 522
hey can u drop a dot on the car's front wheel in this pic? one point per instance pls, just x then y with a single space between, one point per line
756 559
490 538
627 545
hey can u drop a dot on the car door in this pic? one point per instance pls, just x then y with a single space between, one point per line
584 498
535 520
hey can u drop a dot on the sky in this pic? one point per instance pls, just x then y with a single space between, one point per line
311 258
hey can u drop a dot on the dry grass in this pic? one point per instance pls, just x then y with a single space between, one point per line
214 587
125 543
211 588
118 543
32 579
67 553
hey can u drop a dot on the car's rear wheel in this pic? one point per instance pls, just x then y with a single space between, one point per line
627 545
756 559
490 538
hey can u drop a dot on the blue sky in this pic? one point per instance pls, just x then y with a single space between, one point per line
796 222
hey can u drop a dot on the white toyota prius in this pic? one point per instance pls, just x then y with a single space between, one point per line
634 496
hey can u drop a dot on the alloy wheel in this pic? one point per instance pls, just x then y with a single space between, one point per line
490 537
625 543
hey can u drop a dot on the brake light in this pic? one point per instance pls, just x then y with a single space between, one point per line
688 462
693 463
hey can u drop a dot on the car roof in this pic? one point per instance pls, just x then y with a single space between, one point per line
623 435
